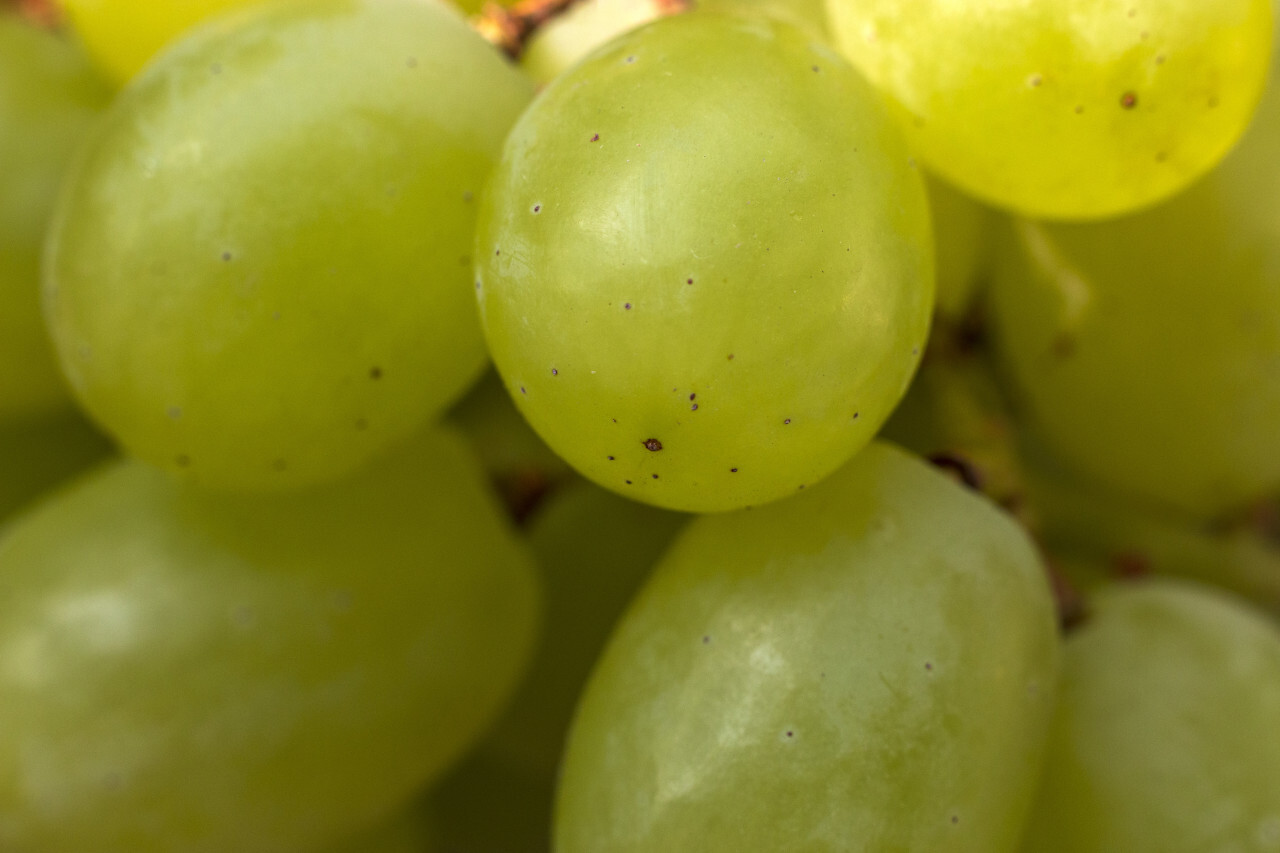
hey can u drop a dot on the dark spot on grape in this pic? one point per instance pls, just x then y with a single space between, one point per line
1162 156
522 391
631 59
375 373
537 208
855 415
1213 101
182 460
733 470
1130 565
595 138
791 734
694 407
693 396
1079 108
411 62
915 350
466 196
610 458
226 256
627 306
955 818
279 465
802 486
655 476
628 482
815 69
962 468
928 666
652 444
555 372
497 252
787 421
1160 59
706 639
688 281
1129 100
731 356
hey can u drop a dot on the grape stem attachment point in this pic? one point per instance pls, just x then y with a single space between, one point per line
510 28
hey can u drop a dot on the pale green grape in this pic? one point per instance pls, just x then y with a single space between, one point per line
260 273
39 453
123 35
594 549
869 666
49 100
963 230
1069 109
580 29
807 15
704 263
191 671
1165 735
1145 350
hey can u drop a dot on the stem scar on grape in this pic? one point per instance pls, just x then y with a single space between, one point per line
652 444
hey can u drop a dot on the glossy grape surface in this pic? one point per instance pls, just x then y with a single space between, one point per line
1145 350
1073 109
1165 735
198 672
49 101
868 666
260 274
696 312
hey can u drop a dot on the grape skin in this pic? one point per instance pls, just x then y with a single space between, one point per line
868 666
259 274
692 311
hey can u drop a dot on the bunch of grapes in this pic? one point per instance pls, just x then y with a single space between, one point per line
639 425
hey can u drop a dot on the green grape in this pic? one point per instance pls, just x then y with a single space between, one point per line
867 666
962 229
807 15
704 263
122 35
195 671
38 454
259 275
594 549
1165 735
1075 109
1144 350
49 100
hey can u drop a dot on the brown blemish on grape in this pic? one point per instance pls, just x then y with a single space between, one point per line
963 470
375 373
856 415
655 476
1129 100
595 138
694 407
955 818
627 306
226 256
1035 80
522 391
688 281
537 208
733 470
693 396
928 666
706 639
652 445
787 421
555 372
610 458
628 482
730 356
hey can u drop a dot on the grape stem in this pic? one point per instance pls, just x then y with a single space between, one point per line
510 28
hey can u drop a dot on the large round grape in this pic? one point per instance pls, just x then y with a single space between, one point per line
49 100
704 263
1165 735
869 666
260 273
1067 109
184 670
1147 350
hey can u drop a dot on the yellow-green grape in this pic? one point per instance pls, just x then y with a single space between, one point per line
1145 350
807 15
260 273
697 312
39 453
963 231
184 670
1071 109
580 29
594 549
1165 735
49 101
122 35
870 665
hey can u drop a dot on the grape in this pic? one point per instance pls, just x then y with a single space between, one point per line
869 665
808 15
1165 735
49 99
963 231
194 671
1069 110
123 35
1145 349
259 275
38 454
580 29
704 263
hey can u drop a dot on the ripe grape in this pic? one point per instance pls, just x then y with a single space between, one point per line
49 100
868 665
184 670
1165 735
259 276
1073 109
1145 349
704 263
